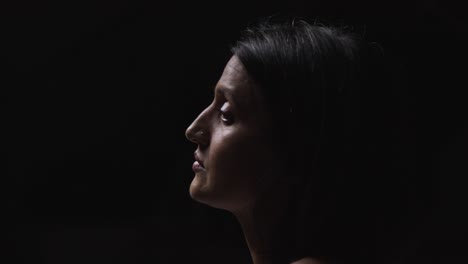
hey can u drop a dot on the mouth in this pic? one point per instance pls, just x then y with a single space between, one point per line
197 167
198 164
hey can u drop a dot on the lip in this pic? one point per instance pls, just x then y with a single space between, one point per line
197 158
197 167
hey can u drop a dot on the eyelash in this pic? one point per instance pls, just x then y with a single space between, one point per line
223 117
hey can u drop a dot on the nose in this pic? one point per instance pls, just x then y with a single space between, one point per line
197 131
190 133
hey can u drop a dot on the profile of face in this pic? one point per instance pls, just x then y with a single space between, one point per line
234 156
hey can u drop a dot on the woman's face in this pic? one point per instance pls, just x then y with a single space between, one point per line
234 143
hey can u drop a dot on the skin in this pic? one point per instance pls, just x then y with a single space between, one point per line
242 173
234 149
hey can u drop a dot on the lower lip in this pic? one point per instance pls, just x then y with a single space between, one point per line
197 167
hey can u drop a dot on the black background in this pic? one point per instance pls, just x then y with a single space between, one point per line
96 97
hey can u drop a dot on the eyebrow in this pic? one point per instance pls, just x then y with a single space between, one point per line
227 92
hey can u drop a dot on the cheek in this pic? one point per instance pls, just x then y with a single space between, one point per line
236 157
238 167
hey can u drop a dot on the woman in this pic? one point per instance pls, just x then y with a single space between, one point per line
295 145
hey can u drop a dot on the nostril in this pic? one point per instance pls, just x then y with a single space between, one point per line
195 137
202 138
191 137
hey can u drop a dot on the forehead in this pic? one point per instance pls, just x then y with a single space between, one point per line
234 71
236 82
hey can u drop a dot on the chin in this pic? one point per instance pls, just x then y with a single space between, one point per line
195 188
206 195
200 191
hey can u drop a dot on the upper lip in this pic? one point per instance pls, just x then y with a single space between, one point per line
197 158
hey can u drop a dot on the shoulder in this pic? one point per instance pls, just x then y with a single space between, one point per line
307 260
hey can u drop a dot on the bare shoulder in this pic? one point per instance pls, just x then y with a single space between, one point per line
307 261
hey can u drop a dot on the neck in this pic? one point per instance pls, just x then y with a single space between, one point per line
258 235
260 225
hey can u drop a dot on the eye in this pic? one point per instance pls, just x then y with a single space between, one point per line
226 116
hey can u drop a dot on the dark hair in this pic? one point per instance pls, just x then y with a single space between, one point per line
330 97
